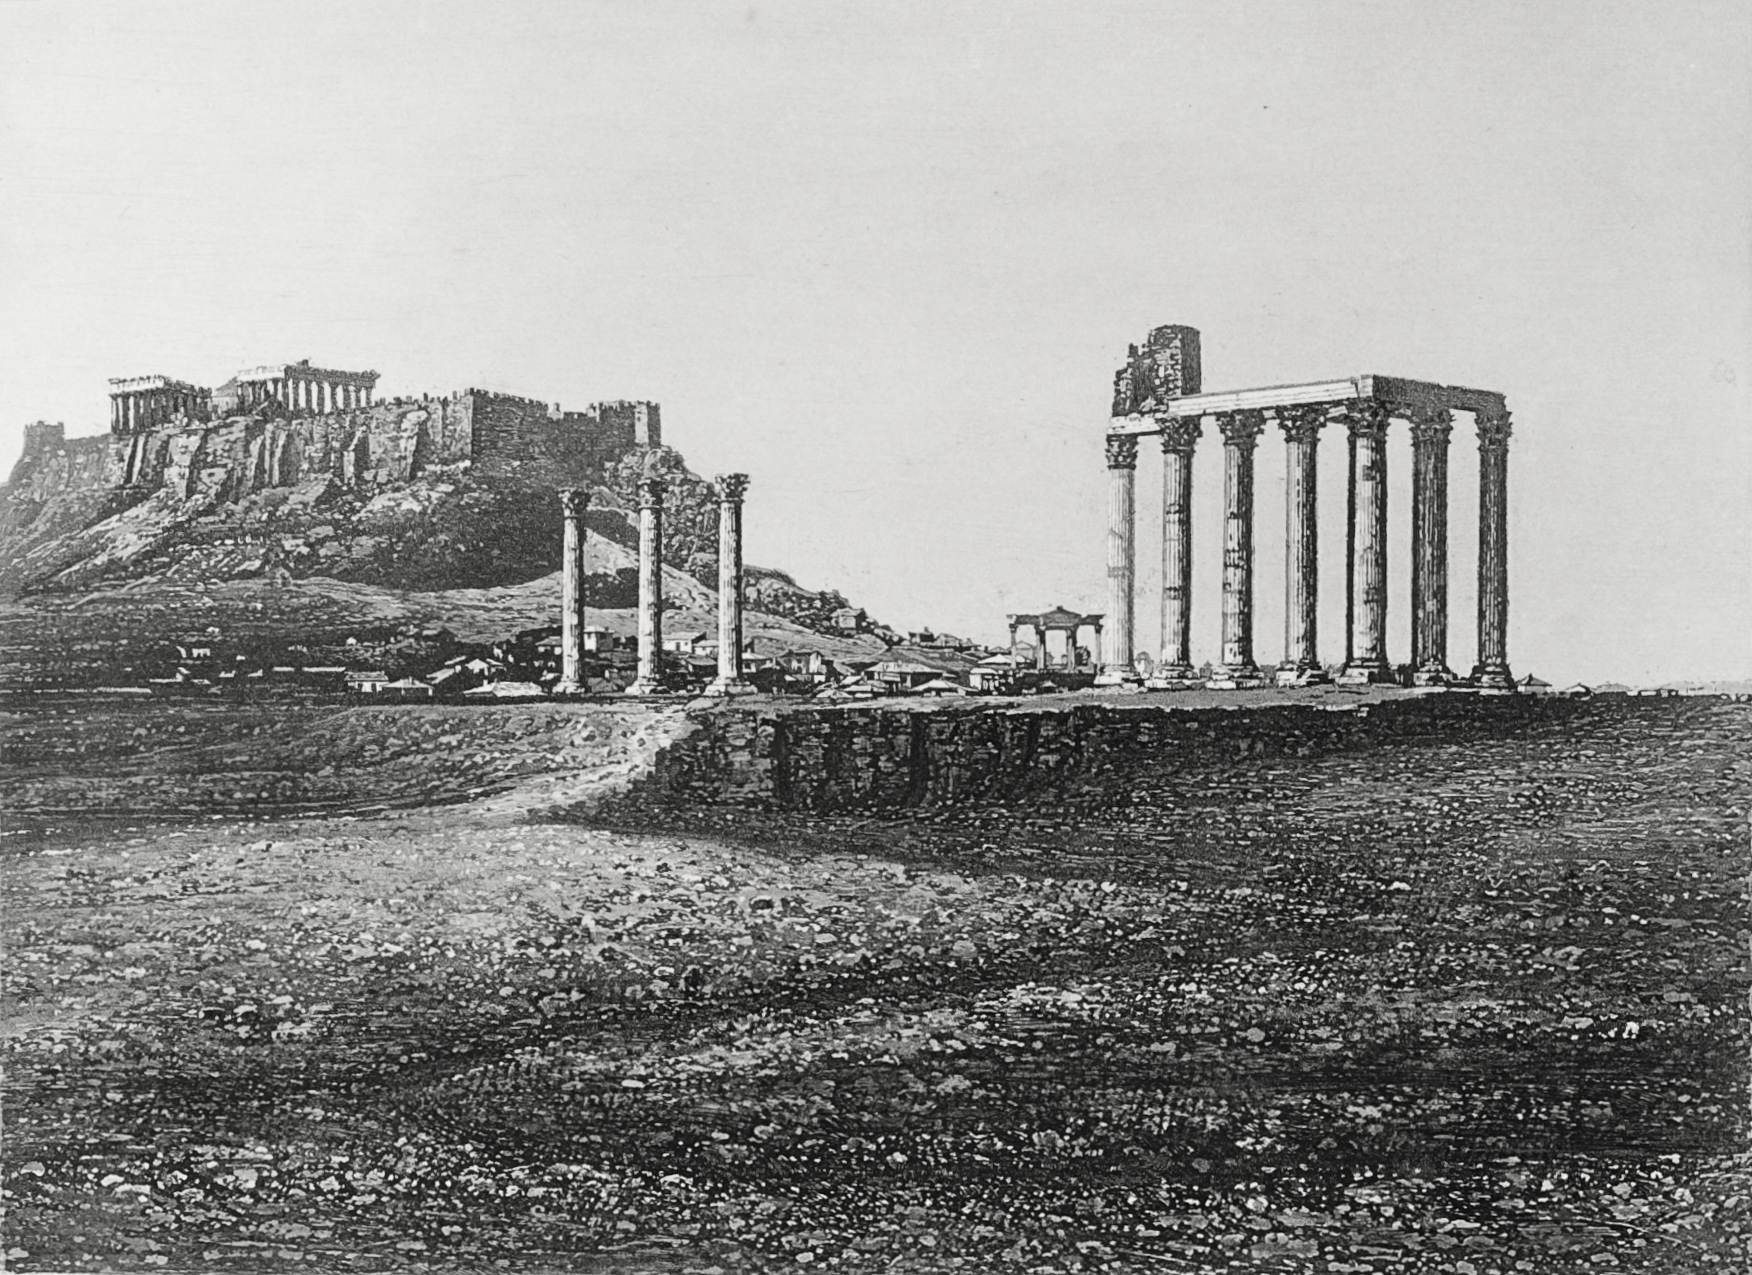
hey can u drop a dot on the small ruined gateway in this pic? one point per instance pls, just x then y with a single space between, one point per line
1158 392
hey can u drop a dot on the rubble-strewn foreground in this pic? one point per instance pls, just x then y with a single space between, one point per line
1472 1007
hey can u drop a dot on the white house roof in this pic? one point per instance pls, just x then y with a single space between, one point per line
505 690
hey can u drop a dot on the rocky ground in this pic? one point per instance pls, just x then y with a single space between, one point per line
1473 1009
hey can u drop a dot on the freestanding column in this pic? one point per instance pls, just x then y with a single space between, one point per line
650 678
1301 427
1429 546
1178 439
1241 432
1492 671
572 506
731 489
1368 536
1122 464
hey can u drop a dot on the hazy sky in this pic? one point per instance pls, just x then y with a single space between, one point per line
886 258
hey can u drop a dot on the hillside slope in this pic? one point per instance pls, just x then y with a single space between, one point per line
454 534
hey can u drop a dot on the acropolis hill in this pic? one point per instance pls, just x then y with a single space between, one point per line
288 471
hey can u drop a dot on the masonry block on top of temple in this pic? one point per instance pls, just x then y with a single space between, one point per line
1158 392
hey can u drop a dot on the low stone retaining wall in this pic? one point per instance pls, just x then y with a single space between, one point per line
826 759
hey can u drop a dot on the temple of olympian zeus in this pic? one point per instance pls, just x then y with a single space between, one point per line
731 489
1158 392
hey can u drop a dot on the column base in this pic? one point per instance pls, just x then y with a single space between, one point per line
1175 677
1301 675
1435 675
726 686
1241 677
1117 675
1366 673
1493 677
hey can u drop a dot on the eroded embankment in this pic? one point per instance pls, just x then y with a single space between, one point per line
831 759
76 761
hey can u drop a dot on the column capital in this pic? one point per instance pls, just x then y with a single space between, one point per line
731 487
1493 430
1366 417
1122 451
1430 425
1241 429
1180 434
1301 422
574 501
651 491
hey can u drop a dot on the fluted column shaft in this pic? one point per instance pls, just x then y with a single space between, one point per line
1429 546
1122 461
650 678
1241 432
1301 428
1179 437
1493 552
732 488
1368 548
572 506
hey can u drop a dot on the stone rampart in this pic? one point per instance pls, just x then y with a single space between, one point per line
827 759
51 464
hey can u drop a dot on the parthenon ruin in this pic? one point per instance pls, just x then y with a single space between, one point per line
1158 393
302 388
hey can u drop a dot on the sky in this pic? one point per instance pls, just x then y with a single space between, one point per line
886 258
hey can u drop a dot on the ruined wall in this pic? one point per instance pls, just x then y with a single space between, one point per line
529 439
52 465
826 759
58 486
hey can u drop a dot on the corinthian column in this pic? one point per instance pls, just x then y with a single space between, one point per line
1179 437
1429 546
1492 671
572 507
731 489
1241 432
1367 660
650 678
1122 463
1301 427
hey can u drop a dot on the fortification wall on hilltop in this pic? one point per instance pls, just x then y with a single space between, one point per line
529 439
52 465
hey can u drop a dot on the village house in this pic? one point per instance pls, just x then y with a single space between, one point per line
938 687
899 676
683 643
806 666
366 681
598 640
406 689
995 674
